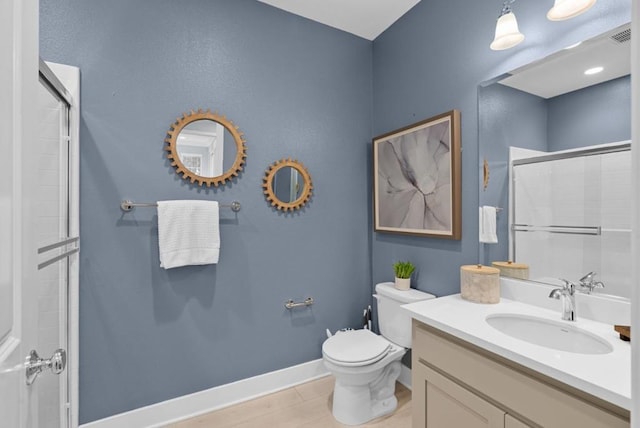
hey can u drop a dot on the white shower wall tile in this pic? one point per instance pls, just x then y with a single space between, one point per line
532 196
47 209
616 170
49 193
616 263
48 302
48 161
48 342
47 176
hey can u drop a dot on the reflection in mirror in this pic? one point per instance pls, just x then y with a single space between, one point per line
550 115
205 148
287 185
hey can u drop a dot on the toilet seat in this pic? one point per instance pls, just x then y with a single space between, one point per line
355 348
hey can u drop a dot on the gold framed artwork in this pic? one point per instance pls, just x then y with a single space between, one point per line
417 179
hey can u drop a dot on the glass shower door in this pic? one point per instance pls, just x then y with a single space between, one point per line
572 216
54 247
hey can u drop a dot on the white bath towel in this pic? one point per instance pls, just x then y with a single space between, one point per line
188 233
487 217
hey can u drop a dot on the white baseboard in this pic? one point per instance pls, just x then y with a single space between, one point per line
188 406
405 377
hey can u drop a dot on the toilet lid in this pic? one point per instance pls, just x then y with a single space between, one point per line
355 346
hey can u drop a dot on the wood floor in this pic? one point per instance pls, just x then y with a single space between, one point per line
304 406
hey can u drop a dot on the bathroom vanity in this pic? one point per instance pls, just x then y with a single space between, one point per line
467 372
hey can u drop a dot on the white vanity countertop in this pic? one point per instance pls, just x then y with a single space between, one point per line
607 376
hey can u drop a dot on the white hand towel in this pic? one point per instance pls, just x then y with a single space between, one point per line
487 217
188 233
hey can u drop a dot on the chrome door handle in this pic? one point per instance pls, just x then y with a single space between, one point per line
36 365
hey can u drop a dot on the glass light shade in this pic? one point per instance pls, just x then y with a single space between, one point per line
507 33
566 9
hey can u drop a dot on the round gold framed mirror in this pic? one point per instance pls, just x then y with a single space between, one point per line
205 148
287 185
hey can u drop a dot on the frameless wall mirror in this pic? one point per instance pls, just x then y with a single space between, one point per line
287 185
205 148
554 135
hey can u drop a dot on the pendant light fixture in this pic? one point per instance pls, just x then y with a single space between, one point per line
566 9
507 33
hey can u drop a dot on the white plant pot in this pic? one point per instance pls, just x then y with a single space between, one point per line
403 283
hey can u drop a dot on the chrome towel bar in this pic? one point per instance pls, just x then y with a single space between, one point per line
67 251
290 304
572 230
128 205
57 258
58 245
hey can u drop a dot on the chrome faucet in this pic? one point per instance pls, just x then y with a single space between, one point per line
588 283
567 293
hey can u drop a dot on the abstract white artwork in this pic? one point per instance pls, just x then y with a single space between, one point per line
417 178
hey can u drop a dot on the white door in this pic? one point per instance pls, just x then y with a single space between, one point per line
24 306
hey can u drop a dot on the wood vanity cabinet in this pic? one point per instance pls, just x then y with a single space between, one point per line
457 384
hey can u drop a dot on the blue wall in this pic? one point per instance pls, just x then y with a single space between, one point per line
431 61
295 88
595 115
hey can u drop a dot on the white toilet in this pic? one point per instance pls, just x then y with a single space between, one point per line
365 365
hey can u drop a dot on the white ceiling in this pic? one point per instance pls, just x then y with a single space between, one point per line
563 71
364 18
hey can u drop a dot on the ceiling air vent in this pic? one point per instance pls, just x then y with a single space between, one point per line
623 36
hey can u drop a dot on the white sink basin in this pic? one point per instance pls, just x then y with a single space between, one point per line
550 334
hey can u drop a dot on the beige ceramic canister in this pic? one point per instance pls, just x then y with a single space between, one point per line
512 270
480 284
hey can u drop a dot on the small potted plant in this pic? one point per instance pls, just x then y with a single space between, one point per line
403 272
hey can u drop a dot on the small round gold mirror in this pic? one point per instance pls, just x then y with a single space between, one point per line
206 148
287 185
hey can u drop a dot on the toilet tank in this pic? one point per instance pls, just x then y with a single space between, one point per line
395 323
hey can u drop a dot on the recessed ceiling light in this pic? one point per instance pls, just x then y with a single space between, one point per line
575 45
594 70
